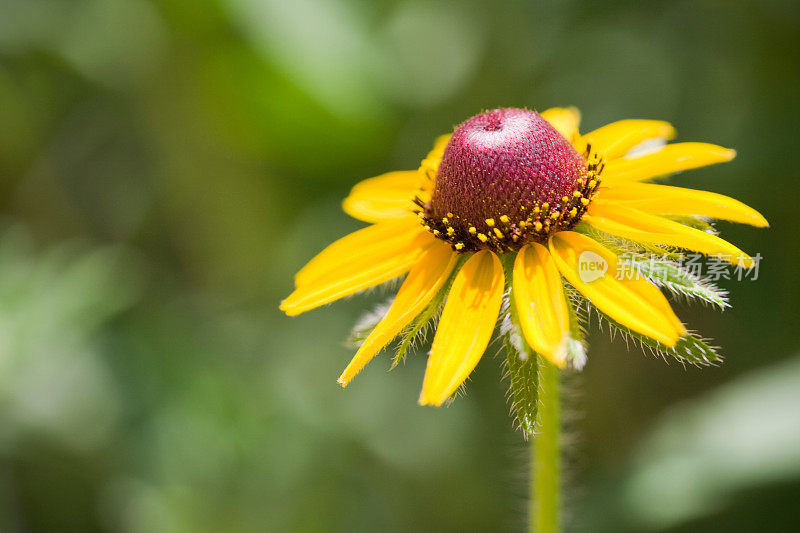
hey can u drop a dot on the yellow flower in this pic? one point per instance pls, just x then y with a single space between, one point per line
512 187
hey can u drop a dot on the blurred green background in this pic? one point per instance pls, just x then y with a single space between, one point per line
167 165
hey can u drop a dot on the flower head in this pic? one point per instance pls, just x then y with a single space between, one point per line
499 220
508 178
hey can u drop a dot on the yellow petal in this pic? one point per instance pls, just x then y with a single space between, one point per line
465 327
429 165
347 249
423 282
439 145
671 158
357 262
616 219
565 119
386 196
666 200
540 302
634 303
616 139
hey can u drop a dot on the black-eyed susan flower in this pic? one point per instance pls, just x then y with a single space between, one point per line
502 218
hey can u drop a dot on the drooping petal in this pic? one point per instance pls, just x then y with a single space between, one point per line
667 200
383 197
616 139
565 119
616 219
360 260
465 327
540 302
422 284
634 303
671 158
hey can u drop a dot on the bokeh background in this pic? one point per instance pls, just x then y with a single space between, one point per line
167 165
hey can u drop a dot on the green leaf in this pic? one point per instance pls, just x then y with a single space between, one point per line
752 417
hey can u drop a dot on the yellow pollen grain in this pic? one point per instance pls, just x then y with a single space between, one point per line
576 194
459 246
522 223
585 201
490 222
445 221
451 231
498 233
564 199
545 206
504 219
592 183
482 237
573 212
449 215
472 230
436 232
537 226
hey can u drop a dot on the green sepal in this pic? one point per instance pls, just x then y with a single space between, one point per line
690 349
522 369
696 222
523 376
577 348
620 245
677 280
521 362
367 323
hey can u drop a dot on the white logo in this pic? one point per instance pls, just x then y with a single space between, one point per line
591 266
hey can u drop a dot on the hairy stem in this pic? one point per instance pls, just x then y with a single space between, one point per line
545 466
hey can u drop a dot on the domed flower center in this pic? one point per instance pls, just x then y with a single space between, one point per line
507 177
